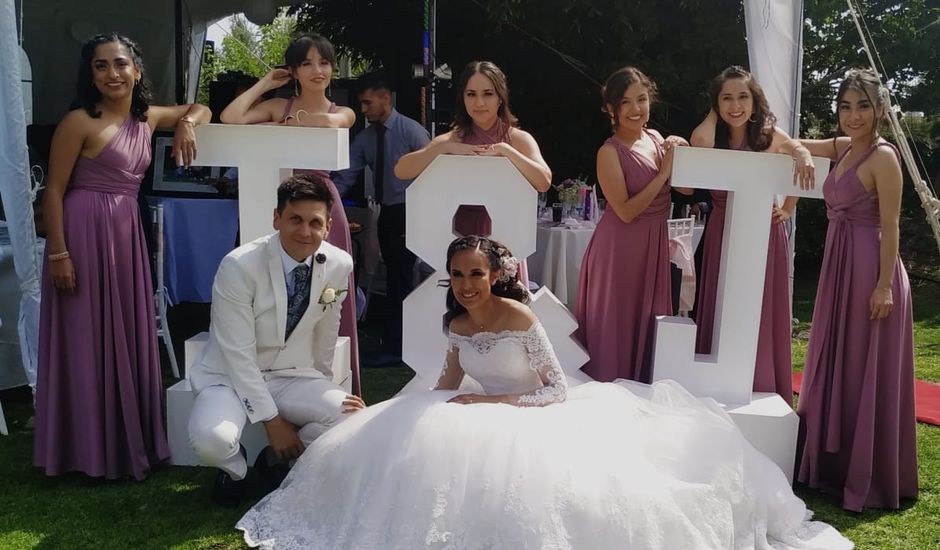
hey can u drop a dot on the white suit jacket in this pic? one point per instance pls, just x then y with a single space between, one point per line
249 321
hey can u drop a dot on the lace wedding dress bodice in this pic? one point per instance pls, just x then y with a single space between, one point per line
518 363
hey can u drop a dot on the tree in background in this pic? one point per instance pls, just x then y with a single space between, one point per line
557 52
247 49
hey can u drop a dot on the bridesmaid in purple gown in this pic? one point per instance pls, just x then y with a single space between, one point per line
483 125
310 59
99 393
745 123
857 422
625 276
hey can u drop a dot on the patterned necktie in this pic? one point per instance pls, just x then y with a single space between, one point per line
300 299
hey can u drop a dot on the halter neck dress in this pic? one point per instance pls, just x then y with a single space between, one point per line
472 219
857 420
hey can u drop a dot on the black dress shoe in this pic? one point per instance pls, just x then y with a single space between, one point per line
228 492
271 471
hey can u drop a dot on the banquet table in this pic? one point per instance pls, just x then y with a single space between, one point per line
197 234
559 249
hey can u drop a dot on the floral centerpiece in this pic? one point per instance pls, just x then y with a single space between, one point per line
571 191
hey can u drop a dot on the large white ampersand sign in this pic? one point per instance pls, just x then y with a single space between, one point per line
432 200
264 156
754 179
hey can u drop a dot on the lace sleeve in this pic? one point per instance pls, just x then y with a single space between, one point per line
451 373
542 360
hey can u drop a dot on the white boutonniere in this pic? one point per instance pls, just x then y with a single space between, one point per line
329 296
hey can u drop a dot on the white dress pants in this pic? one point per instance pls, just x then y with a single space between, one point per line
314 405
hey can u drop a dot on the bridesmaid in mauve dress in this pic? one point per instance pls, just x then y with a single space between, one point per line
310 59
745 123
857 420
625 275
483 125
99 393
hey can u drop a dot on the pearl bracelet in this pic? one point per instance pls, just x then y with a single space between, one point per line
59 256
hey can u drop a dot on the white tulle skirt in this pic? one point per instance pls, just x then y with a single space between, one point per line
616 466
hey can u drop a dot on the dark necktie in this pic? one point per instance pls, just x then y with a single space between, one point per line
299 300
379 169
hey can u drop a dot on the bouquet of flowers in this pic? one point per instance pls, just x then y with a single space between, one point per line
571 190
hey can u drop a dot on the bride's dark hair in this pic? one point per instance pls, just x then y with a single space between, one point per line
506 286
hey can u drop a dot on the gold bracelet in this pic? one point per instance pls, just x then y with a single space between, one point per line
59 256
187 119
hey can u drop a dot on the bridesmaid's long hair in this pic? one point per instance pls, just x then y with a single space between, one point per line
760 127
87 95
495 252
865 82
462 121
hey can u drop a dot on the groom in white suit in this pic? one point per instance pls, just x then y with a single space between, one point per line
274 323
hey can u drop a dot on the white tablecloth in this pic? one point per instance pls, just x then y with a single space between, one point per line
557 259
559 250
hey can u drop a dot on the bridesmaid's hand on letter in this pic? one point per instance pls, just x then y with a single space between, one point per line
804 171
494 150
457 148
184 142
881 303
674 141
665 167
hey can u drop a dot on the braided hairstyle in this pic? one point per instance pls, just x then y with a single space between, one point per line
506 286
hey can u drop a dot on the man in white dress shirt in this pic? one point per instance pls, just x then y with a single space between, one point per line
274 323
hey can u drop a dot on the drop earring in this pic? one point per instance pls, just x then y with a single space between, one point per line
296 88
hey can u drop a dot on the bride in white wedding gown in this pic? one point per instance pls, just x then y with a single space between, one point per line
531 464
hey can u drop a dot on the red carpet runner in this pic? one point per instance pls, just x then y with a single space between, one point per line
926 399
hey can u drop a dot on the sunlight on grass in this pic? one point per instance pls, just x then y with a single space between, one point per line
20 539
183 487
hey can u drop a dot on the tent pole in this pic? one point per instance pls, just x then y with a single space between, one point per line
180 52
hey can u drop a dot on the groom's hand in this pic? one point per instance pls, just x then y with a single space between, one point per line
282 435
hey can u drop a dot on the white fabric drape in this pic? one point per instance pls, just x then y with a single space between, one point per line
775 52
15 190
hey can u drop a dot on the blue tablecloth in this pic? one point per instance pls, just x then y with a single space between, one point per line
198 233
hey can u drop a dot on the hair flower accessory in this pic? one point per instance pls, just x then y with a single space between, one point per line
510 266
320 258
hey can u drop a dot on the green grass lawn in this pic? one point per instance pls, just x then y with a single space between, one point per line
172 508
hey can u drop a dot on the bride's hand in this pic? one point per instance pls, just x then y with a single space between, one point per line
353 403
472 398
